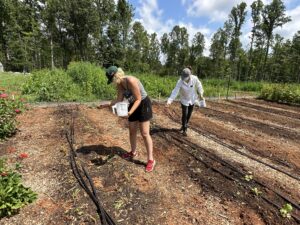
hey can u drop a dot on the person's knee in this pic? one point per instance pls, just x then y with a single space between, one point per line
132 132
145 134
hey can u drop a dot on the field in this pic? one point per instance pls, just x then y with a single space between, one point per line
240 164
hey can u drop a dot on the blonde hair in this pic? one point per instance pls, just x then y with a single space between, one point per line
118 76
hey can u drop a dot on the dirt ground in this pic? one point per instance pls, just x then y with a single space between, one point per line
198 179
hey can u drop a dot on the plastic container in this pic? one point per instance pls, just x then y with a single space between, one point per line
202 103
120 108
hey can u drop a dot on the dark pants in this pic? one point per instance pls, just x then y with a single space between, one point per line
186 115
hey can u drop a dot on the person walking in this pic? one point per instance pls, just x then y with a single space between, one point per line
139 110
188 86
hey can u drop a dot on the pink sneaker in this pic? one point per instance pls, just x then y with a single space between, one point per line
150 165
129 155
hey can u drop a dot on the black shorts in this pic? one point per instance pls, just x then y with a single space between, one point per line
143 112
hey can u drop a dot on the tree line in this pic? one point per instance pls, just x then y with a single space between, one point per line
36 34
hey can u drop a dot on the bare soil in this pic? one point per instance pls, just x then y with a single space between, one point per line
198 179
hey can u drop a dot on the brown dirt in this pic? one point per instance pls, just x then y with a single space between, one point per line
181 190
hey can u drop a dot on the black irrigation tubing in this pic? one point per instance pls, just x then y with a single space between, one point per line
242 153
237 151
207 153
268 110
261 183
104 216
288 133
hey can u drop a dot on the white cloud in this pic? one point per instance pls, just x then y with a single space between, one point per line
289 29
150 16
215 10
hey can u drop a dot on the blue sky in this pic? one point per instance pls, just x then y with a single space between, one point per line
204 16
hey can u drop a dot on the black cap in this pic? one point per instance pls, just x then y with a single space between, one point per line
110 72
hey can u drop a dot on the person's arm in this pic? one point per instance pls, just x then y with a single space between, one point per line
199 88
174 92
120 97
134 87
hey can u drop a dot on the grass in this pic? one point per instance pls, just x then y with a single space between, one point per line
11 83
88 83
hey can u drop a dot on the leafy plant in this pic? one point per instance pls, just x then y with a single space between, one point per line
256 191
286 93
248 177
286 210
13 195
9 108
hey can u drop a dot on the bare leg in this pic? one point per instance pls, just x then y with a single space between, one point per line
132 135
145 132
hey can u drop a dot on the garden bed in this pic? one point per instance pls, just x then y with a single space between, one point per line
199 179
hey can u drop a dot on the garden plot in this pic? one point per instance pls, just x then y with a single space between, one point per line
238 165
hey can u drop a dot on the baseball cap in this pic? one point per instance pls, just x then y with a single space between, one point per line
186 72
110 72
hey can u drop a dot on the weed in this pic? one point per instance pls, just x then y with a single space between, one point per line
286 210
248 177
13 195
256 191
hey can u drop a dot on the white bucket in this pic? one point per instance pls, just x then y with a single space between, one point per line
202 103
120 108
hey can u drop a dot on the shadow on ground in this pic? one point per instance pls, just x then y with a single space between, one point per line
107 152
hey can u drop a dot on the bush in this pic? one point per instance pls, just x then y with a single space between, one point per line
13 195
51 85
286 93
91 79
9 108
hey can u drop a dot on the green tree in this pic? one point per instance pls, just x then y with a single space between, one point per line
256 12
273 17
237 16
138 50
154 53
295 58
105 10
175 46
196 51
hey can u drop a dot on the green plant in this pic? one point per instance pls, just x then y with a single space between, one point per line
256 191
51 85
286 210
9 108
248 177
13 195
286 93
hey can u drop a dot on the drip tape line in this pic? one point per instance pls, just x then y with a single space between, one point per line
105 218
224 163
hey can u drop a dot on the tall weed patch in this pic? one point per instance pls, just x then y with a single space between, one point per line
13 194
285 93
9 108
91 79
51 85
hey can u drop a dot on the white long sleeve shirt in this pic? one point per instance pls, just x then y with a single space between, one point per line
188 91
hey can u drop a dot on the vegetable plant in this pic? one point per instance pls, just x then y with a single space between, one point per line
13 194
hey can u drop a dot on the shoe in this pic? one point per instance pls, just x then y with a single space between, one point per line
129 155
184 133
150 165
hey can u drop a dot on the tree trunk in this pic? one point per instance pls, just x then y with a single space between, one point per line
265 59
52 54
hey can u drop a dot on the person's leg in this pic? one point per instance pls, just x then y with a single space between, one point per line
184 117
190 111
145 132
133 126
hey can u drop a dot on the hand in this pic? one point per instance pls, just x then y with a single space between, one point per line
102 106
129 114
168 103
